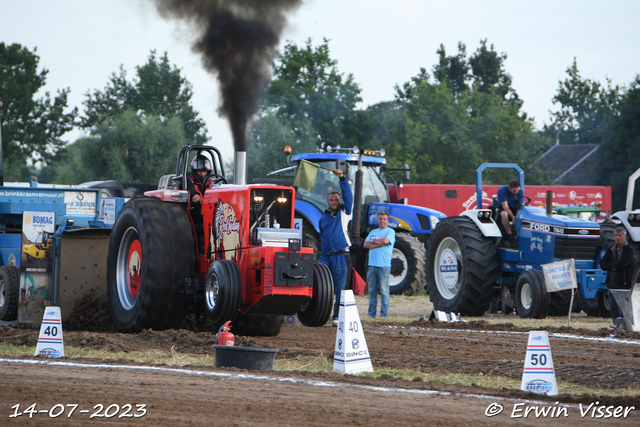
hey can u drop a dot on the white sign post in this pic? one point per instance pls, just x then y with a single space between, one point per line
538 375
50 339
561 276
351 354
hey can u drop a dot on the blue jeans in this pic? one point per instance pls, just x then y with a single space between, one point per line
338 267
613 307
378 280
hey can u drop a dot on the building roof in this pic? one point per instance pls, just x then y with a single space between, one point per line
574 164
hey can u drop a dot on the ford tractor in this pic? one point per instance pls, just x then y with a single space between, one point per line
469 267
366 171
240 260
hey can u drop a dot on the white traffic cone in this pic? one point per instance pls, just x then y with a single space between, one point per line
351 354
50 338
538 375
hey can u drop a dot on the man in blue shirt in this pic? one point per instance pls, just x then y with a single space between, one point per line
335 242
510 199
380 244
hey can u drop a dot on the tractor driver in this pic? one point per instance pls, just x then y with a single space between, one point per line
197 184
510 199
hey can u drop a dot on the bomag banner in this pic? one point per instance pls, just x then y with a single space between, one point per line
36 264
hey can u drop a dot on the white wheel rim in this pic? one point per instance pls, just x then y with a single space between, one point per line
212 290
447 283
2 293
396 279
526 295
122 269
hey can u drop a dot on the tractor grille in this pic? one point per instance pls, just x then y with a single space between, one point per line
567 247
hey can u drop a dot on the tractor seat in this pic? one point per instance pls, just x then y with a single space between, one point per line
493 207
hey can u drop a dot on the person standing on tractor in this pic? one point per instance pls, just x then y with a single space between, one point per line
618 261
334 238
510 199
198 183
380 244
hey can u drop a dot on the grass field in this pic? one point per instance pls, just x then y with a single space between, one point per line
408 309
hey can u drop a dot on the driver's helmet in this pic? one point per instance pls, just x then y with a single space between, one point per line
201 163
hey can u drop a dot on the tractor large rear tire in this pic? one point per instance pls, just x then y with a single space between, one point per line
407 266
317 311
223 291
606 234
532 298
559 303
258 325
9 292
590 305
151 250
462 267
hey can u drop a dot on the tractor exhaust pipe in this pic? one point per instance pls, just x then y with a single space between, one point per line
240 168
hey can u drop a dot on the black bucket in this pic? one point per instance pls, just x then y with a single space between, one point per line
260 359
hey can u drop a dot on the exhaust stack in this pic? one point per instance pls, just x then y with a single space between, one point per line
240 168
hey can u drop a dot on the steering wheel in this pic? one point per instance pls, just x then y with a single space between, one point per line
216 178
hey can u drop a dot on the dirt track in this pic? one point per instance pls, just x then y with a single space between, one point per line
589 358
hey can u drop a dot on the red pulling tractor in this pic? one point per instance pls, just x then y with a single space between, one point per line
249 266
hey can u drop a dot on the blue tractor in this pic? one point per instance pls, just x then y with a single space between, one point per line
367 174
469 268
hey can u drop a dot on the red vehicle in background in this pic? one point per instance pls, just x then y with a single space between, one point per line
455 199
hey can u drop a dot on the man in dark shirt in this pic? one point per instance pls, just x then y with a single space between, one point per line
510 199
618 261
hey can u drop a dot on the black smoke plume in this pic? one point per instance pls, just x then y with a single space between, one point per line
237 40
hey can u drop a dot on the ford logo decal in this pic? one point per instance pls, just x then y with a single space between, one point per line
583 231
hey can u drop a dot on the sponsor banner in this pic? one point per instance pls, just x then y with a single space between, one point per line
36 261
560 275
80 203
108 210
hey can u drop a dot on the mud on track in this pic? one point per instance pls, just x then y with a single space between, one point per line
584 357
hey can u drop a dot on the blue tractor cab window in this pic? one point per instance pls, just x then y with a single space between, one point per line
327 181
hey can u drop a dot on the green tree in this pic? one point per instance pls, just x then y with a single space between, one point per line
270 135
445 132
489 75
31 128
618 152
483 72
453 69
585 108
307 83
158 90
127 148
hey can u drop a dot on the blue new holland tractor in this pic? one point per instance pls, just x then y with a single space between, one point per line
367 174
469 268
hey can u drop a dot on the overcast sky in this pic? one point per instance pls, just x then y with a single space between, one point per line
381 42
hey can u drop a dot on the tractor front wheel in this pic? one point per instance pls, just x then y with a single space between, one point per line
317 311
223 291
532 298
258 325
